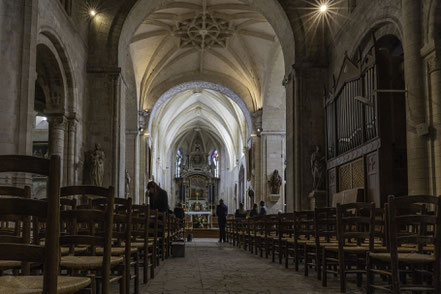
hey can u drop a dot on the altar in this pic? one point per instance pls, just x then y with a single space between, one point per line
203 214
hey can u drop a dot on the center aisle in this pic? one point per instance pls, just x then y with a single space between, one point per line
209 268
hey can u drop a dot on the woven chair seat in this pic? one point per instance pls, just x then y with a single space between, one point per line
87 262
355 249
77 250
304 241
137 245
414 258
116 251
34 284
6 264
322 244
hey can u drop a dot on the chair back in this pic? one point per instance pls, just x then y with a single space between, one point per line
22 250
325 222
415 220
96 224
355 224
303 225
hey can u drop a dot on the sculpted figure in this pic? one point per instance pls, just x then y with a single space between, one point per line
128 181
95 166
275 182
317 168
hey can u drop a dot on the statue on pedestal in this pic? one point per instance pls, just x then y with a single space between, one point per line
275 182
317 169
94 167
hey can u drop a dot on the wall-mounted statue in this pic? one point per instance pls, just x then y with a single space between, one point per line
128 181
275 182
251 192
317 169
94 166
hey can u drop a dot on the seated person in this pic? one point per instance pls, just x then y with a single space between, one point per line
179 211
254 212
241 212
263 209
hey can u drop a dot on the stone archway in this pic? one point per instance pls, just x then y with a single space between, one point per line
202 85
272 13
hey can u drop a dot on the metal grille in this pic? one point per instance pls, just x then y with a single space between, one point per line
357 174
345 177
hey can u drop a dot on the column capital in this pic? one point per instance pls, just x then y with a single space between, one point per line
57 120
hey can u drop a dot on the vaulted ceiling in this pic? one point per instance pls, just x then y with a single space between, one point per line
223 41
208 110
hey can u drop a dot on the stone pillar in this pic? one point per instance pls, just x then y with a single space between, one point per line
273 156
71 143
309 127
417 152
434 72
133 163
106 122
57 127
18 23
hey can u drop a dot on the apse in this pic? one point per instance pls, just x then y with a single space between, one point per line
198 135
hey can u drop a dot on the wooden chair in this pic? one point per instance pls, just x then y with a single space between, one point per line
15 226
325 234
303 232
93 228
418 232
284 232
355 234
18 248
270 223
259 234
144 222
160 239
122 236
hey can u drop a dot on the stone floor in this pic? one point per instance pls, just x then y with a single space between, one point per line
209 268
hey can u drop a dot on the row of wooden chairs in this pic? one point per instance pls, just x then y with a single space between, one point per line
57 245
396 248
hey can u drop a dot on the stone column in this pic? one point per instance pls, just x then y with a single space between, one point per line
106 122
309 127
133 164
434 72
57 127
71 143
18 23
417 153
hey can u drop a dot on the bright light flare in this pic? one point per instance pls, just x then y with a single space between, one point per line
323 15
92 12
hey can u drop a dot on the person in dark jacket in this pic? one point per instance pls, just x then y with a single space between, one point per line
254 212
241 212
179 212
158 197
222 212
263 209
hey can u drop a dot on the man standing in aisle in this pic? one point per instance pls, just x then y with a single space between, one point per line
222 212
158 197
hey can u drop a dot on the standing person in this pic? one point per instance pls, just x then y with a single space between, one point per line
263 209
254 212
179 212
158 197
222 212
